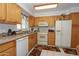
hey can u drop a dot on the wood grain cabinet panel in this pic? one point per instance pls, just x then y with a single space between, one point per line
2 12
7 45
13 13
49 19
10 52
8 49
75 29
31 21
10 13
51 38
32 40
75 18
75 37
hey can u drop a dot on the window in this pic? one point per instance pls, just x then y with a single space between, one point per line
24 23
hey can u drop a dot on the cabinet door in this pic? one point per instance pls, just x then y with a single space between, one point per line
36 21
2 12
10 52
75 36
32 40
13 13
51 38
51 20
7 45
75 18
18 16
31 21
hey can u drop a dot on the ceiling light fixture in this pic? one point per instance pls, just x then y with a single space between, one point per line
45 6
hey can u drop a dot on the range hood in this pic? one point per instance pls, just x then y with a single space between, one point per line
42 24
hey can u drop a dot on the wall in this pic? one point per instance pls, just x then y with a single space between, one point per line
4 27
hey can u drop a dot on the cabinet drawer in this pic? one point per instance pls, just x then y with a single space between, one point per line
7 45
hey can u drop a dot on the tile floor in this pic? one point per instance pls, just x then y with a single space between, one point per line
38 49
43 50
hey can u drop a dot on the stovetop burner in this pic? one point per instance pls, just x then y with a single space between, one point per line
70 51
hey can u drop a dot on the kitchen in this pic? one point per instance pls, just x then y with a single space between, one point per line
25 31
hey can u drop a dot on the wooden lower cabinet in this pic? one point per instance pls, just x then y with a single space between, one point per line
32 40
75 36
10 52
8 49
51 38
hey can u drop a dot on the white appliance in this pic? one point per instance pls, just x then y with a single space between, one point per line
42 36
42 24
22 46
63 33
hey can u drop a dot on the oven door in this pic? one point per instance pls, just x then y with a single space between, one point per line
42 36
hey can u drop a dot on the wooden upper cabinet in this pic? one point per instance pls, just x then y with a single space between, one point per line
67 17
2 12
18 16
31 21
13 13
75 18
49 19
52 20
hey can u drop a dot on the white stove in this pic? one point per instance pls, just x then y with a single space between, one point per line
42 36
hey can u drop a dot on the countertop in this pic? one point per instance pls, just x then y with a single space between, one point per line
14 37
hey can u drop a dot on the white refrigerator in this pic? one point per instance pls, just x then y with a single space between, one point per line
63 29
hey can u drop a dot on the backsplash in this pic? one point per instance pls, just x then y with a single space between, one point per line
33 28
4 28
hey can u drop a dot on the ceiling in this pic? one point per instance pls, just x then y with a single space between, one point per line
61 8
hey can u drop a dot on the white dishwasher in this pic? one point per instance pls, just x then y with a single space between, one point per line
22 46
